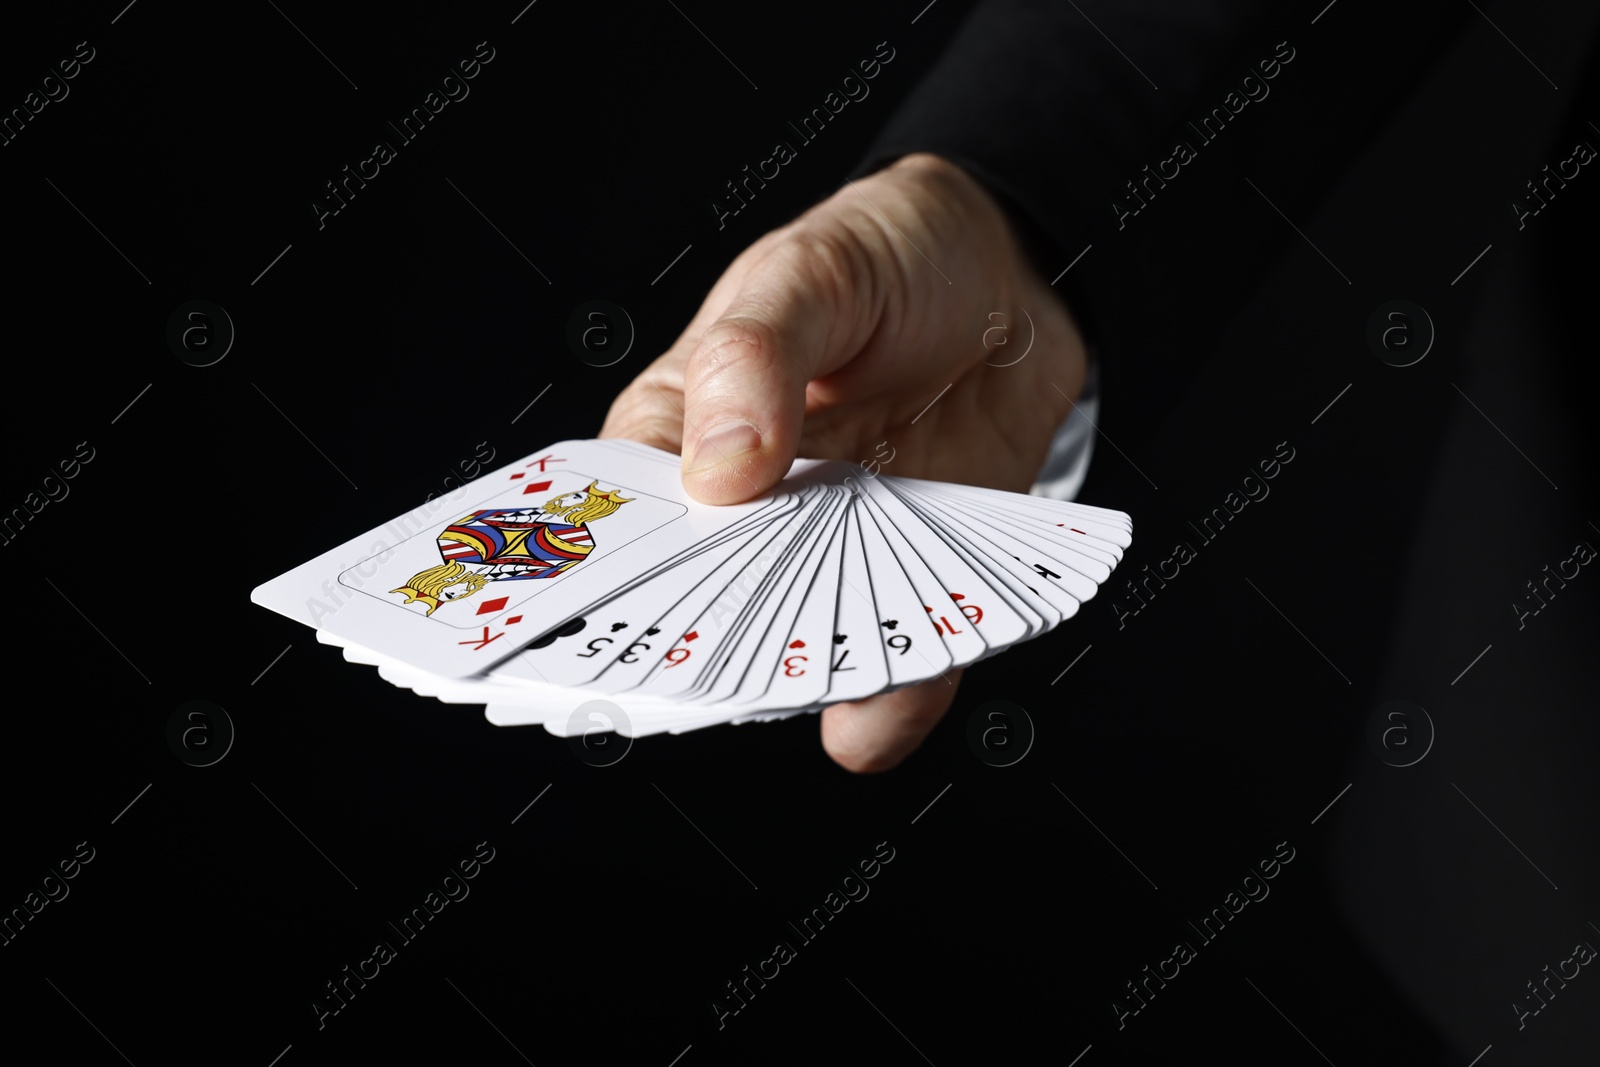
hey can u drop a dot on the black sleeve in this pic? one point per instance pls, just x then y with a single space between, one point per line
1072 124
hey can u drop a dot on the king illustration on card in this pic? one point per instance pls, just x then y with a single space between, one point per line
512 544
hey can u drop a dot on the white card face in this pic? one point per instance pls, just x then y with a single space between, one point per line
762 638
997 616
790 666
447 690
650 452
771 716
912 649
1034 612
1049 605
858 668
727 615
735 649
585 573
635 448
748 682
518 552
691 628
934 604
575 654
810 667
809 560
1041 570
1089 555
1111 526
1106 516
624 626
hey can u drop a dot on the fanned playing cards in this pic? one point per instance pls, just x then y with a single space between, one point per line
585 573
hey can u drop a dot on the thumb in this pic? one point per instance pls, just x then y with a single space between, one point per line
745 380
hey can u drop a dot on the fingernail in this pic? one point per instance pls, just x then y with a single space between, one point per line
723 442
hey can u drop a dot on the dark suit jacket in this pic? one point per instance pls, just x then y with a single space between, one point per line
1240 189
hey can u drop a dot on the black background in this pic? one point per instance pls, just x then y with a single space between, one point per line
379 351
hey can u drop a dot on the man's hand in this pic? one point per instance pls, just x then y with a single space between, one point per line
898 310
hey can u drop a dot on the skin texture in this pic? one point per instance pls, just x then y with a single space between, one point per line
833 334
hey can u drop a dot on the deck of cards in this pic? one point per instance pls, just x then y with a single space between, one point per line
585 573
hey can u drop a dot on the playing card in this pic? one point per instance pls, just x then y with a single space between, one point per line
506 558
973 600
1027 557
935 602
981 549
690 628
714 604
1090 555
754 636
625 624
1102 523
802 601
912 649
792 659
585 573
857 667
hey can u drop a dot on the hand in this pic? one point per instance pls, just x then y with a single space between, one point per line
842 330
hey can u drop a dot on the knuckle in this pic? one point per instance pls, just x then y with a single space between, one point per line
741 342
637 414
795 279
658 431
827 260
818 252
